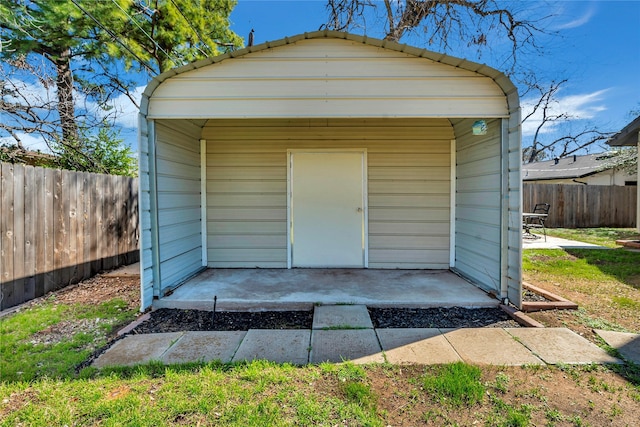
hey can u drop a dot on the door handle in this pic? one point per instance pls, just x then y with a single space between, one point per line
358 210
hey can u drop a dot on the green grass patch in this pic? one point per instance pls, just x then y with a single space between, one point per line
625 302
588 264
457 384
75 331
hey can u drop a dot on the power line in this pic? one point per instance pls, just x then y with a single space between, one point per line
115 37
145 33
194 30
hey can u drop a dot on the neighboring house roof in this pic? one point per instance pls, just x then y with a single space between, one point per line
629 135
566 168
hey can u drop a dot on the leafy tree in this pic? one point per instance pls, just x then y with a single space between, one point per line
55 33
103 152
163 34
87 52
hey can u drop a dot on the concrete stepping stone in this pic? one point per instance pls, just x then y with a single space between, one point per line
627 343
199 346
137 349
421 346
561 345
341 316
489 346
275 345
357 345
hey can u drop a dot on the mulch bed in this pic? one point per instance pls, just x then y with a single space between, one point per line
455 317
175 320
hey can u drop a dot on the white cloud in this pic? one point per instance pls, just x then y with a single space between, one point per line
581 20
125 112
576 107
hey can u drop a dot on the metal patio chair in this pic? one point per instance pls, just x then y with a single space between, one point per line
541 211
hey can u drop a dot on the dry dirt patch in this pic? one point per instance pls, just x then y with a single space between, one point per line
100 288
554 397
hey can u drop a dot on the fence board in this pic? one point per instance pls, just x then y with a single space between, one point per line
49 257
582 206
38 229
30 219
18 231
60 227
6 227
72 197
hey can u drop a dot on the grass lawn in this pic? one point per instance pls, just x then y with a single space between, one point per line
42 345
605 283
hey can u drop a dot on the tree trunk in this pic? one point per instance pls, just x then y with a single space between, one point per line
66 107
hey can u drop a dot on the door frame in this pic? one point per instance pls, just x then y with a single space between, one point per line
365 198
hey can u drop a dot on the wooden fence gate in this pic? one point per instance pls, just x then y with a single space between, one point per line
60 227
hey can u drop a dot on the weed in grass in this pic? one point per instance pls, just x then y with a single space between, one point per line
349 371
553 416
576 420
585 319
615 411
457 384
533 393
599 386
501 383
505 415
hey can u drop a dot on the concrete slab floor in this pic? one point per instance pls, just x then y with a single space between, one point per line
627 343
300 289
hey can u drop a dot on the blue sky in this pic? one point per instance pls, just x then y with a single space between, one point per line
597 50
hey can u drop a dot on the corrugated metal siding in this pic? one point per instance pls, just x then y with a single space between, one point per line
408 188
146 258
327 78
178 183
478 189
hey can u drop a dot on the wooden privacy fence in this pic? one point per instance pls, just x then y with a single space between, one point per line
579 206
60 227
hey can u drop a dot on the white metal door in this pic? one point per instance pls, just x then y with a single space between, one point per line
327 209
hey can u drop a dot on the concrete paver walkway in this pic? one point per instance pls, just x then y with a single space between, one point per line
626 343
342 333
555 243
